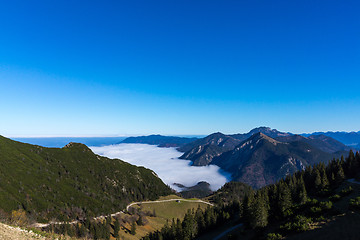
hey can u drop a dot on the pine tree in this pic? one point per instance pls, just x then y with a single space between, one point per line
259 212
317 179
82 231
188 226
284 198
302 194
247 207
179 232
133 228
340 175
199 218
140 221
106 227
116 228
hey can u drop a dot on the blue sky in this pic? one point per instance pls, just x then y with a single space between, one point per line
97 68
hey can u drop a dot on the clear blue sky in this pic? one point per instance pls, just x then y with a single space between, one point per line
178 67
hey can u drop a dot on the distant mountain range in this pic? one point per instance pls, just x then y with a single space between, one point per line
322 142
161 141
347 138
260 160
351 139
261 156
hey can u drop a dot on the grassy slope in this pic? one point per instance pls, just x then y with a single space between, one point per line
49 181
165 211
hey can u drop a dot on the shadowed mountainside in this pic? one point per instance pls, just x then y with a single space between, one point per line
202 151
70 182
260 159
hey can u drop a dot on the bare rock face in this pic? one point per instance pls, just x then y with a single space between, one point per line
201 152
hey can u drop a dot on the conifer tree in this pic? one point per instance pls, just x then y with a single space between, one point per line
284 198
133 228
324 179
302 194
199 218
247 207
116 228
340 175
317 179
259 212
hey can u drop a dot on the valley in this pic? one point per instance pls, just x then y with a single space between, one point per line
87 195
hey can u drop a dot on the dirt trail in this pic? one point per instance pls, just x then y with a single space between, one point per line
15 233
168 200
41 225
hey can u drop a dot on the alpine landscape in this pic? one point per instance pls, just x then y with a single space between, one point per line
179 120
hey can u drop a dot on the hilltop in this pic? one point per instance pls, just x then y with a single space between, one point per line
70 182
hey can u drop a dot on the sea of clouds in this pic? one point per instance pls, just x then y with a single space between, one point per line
166 164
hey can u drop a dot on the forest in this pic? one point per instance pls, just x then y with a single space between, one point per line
292 204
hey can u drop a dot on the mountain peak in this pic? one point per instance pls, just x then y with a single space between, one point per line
261 136
217 134
74 145
267 131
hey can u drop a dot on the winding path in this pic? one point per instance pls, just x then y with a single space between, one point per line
42 225
168 200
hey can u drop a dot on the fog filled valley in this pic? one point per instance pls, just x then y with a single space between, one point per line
166 164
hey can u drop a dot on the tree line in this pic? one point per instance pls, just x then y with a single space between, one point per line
291 202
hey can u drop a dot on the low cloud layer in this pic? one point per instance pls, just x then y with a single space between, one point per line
165 162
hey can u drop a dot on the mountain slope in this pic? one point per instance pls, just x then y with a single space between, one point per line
261 160
69 182
162 141
322 142
202 151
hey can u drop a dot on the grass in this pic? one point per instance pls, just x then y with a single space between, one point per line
165 211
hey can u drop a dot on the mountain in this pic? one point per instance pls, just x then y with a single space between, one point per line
261 160
321 202
347 138
322 142
162 141
273 133
202 151
200 190
70 182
